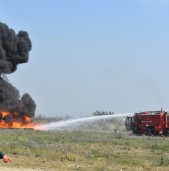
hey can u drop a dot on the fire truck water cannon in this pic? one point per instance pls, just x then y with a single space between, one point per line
149 123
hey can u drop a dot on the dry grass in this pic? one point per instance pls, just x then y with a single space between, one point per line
85 151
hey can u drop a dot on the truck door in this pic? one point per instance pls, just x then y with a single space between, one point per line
128 123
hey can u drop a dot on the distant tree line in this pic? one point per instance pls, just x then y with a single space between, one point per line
100 113
52 118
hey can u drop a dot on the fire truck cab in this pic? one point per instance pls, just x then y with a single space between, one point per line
149 123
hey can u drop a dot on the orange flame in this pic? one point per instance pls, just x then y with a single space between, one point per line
14 120
4 114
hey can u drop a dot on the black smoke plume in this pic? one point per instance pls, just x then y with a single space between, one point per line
14 50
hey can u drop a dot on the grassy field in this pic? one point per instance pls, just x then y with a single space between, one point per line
84 151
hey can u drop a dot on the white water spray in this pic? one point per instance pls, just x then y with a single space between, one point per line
77 122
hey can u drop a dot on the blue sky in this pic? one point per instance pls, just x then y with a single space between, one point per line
93 55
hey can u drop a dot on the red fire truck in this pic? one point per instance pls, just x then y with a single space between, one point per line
149 123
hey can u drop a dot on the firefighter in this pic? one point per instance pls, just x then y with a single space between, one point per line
4 157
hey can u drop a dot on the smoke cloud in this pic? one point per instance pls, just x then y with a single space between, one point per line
14 50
